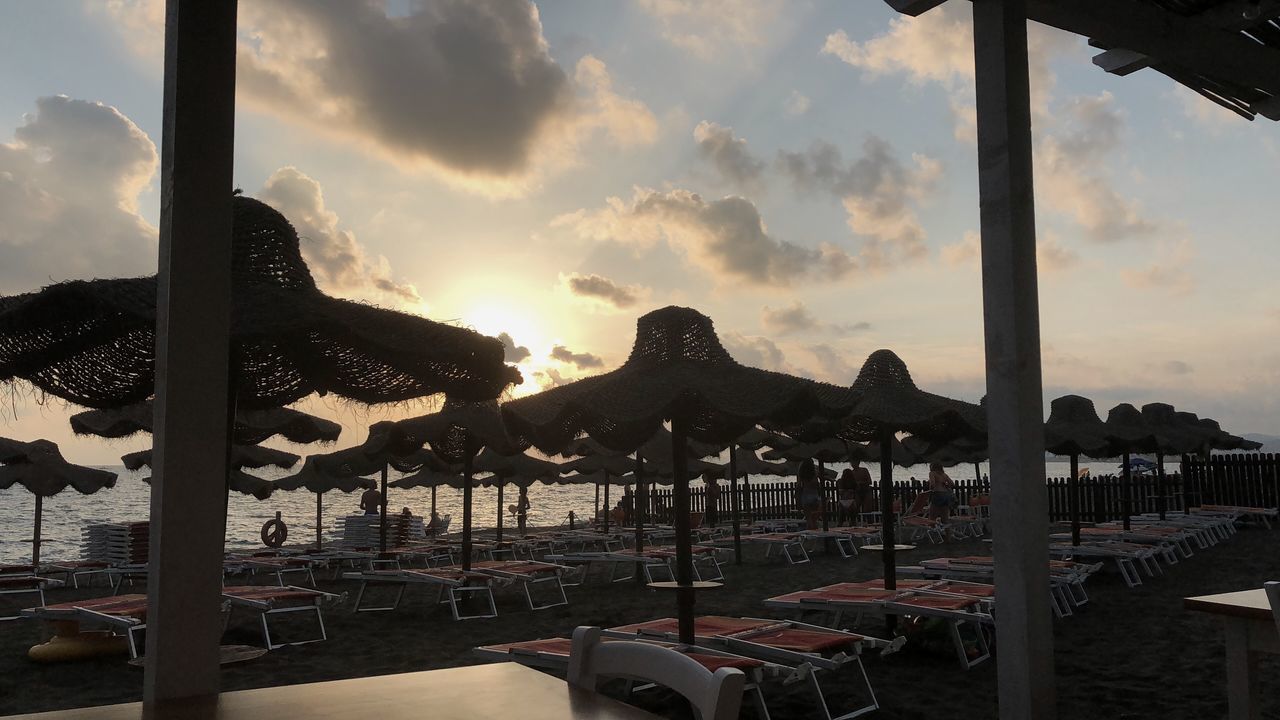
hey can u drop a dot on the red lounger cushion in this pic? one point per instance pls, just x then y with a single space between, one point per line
808 641
715 662
937 602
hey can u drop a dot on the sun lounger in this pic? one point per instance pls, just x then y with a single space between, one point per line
528 573
957 611
23 585
1066 578
274 601
807 648
790 546
654 561
277 565
453 584
1256 514
553 654
844 541
124 614
73 570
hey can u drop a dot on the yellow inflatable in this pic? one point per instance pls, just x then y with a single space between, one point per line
81 646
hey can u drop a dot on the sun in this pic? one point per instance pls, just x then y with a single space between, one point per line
492 319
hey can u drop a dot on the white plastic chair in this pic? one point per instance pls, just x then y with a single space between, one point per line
1273 594
714 696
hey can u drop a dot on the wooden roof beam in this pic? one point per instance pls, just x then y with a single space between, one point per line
914 7
1238 15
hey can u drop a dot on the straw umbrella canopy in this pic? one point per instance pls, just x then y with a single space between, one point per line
1219 439
242 456
678 371
1128 433
888 402
456 434
757 438
40 468
1074 429
251 426
1174 435
92 342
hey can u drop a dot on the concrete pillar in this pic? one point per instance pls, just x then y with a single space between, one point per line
189 478
1015 412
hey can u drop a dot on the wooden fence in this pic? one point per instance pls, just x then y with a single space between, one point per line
1240 479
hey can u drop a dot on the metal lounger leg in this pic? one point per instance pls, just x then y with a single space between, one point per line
266 625
377 608
822 700
559 589
454 592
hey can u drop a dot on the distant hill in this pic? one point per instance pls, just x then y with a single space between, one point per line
1270 443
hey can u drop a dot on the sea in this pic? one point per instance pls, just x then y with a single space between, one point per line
67 513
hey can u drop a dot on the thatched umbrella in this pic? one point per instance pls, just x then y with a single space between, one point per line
520 468
1219 439
1128 433
315 480
40 468
251 426
1174 435
679 372
744 463
1074 429
887 403
242 456
456 434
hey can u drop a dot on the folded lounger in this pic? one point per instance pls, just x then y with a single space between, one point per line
807 648
553 654
837 599
269 601
452 583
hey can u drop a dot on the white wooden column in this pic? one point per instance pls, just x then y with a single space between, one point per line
1019 501
189 480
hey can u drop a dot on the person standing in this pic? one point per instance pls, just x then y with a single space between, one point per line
371 501
863 500
942 495
522 509
846 498
809 493
713 498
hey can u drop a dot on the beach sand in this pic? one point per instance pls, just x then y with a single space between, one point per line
1127 654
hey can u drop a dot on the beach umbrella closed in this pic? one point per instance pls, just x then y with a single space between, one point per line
678 371
241 457
92 342
40 468
887 402
1074 429
251 426
1128 433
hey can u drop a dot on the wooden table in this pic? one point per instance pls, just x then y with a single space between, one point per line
500 690
1250 629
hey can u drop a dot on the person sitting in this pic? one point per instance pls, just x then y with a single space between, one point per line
371 502
432 527
864 502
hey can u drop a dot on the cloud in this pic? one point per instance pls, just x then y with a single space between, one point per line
1206 113
582 361
709 28
729 155
1177 367
727 237
338 262
550 378
875 190
467 88
796 318
511 352
755 351
1168 273
832 365
797 103
967 250
69 187
602 290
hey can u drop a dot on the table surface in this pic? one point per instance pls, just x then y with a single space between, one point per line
1250 604
499 690
880 548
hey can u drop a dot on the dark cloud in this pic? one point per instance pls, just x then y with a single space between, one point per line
337 260
729 155
582 361
876 190
511 352
1178 367
69 187
598 287
796 318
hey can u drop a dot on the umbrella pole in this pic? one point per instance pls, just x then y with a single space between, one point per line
734 504
1073 498
35 539
641 505
1126 492
596 514
977 473
886 512
466 514
1160 500
607 508
382 529
822 488
319 520
433 500
499 534
684 541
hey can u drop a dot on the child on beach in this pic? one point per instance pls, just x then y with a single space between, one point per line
809 493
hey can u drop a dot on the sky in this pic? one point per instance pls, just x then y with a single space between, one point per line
803 172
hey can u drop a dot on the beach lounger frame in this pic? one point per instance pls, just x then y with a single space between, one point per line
266 608
97 610
1066 588
551 574
790 546
449 590
73 570
25 585
277 565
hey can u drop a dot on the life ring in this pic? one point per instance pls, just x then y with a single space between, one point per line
274 532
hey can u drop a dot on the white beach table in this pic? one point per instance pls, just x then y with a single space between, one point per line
497 690
1250 629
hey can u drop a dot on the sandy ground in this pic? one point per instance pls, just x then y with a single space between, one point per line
1128 654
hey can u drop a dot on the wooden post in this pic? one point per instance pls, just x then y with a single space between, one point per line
607 508
596 516
734 504
382 514
641 507
319 520
1160 487
35 537
822 495
433 500
1126 492
466 512
193 323
1015 420
499 527
684 541
886 511
1073 498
